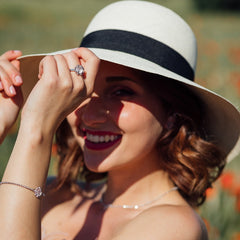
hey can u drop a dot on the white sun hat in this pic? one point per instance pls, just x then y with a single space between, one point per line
149 37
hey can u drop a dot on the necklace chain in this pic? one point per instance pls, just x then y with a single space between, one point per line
137 206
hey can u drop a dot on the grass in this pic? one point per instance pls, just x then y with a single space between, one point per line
42 26
35 26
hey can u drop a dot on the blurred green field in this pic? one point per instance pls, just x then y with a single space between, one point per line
35 26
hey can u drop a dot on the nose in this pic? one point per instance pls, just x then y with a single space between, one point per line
94 112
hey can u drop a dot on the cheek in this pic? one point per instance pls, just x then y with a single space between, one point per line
127 117
137 119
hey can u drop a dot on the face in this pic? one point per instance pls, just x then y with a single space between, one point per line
118 126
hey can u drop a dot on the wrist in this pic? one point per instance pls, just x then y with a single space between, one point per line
42 125
34 133
36 126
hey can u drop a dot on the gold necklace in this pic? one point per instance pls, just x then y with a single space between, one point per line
137 206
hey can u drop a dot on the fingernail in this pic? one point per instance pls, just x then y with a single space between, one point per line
12 90
1 86
18 79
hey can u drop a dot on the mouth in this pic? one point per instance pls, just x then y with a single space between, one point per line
100 140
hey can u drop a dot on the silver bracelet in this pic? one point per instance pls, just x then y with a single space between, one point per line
37 191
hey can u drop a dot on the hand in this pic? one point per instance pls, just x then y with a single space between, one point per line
59 91
10 93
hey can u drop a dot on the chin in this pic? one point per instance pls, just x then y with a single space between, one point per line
99 164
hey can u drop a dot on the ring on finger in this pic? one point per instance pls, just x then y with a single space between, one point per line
79 70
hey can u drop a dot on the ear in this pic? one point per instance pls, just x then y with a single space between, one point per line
172 120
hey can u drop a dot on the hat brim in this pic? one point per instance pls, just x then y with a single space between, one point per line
222 118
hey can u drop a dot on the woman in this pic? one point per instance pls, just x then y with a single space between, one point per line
127 113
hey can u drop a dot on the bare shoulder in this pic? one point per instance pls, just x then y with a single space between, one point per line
165 222
65 196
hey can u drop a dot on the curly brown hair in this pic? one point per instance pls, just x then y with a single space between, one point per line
188 155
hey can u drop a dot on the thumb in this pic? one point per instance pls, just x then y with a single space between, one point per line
11 55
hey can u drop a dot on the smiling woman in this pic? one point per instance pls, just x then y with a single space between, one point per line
134 120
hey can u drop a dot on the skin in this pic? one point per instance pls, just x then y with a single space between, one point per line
110 99
10 94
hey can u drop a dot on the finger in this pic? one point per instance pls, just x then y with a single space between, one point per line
11 71
16 64
88 59
11 55
6 83
40 69
63 71
73 60
48 68
91 64
84 53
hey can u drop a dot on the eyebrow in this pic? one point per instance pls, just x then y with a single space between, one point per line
118 79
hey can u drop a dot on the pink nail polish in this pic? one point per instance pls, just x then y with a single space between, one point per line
18 79
12 90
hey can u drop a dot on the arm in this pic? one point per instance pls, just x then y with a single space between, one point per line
56 94
10 93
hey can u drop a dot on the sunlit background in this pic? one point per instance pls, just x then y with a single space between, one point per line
35 26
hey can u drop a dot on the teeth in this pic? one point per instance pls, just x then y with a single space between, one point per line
101 139
107 138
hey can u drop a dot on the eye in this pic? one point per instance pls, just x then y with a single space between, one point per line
121 92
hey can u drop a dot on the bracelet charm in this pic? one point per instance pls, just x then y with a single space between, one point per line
37 191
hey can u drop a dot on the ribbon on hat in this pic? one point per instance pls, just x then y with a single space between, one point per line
141 46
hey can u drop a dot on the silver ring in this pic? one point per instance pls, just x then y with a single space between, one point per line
79 70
